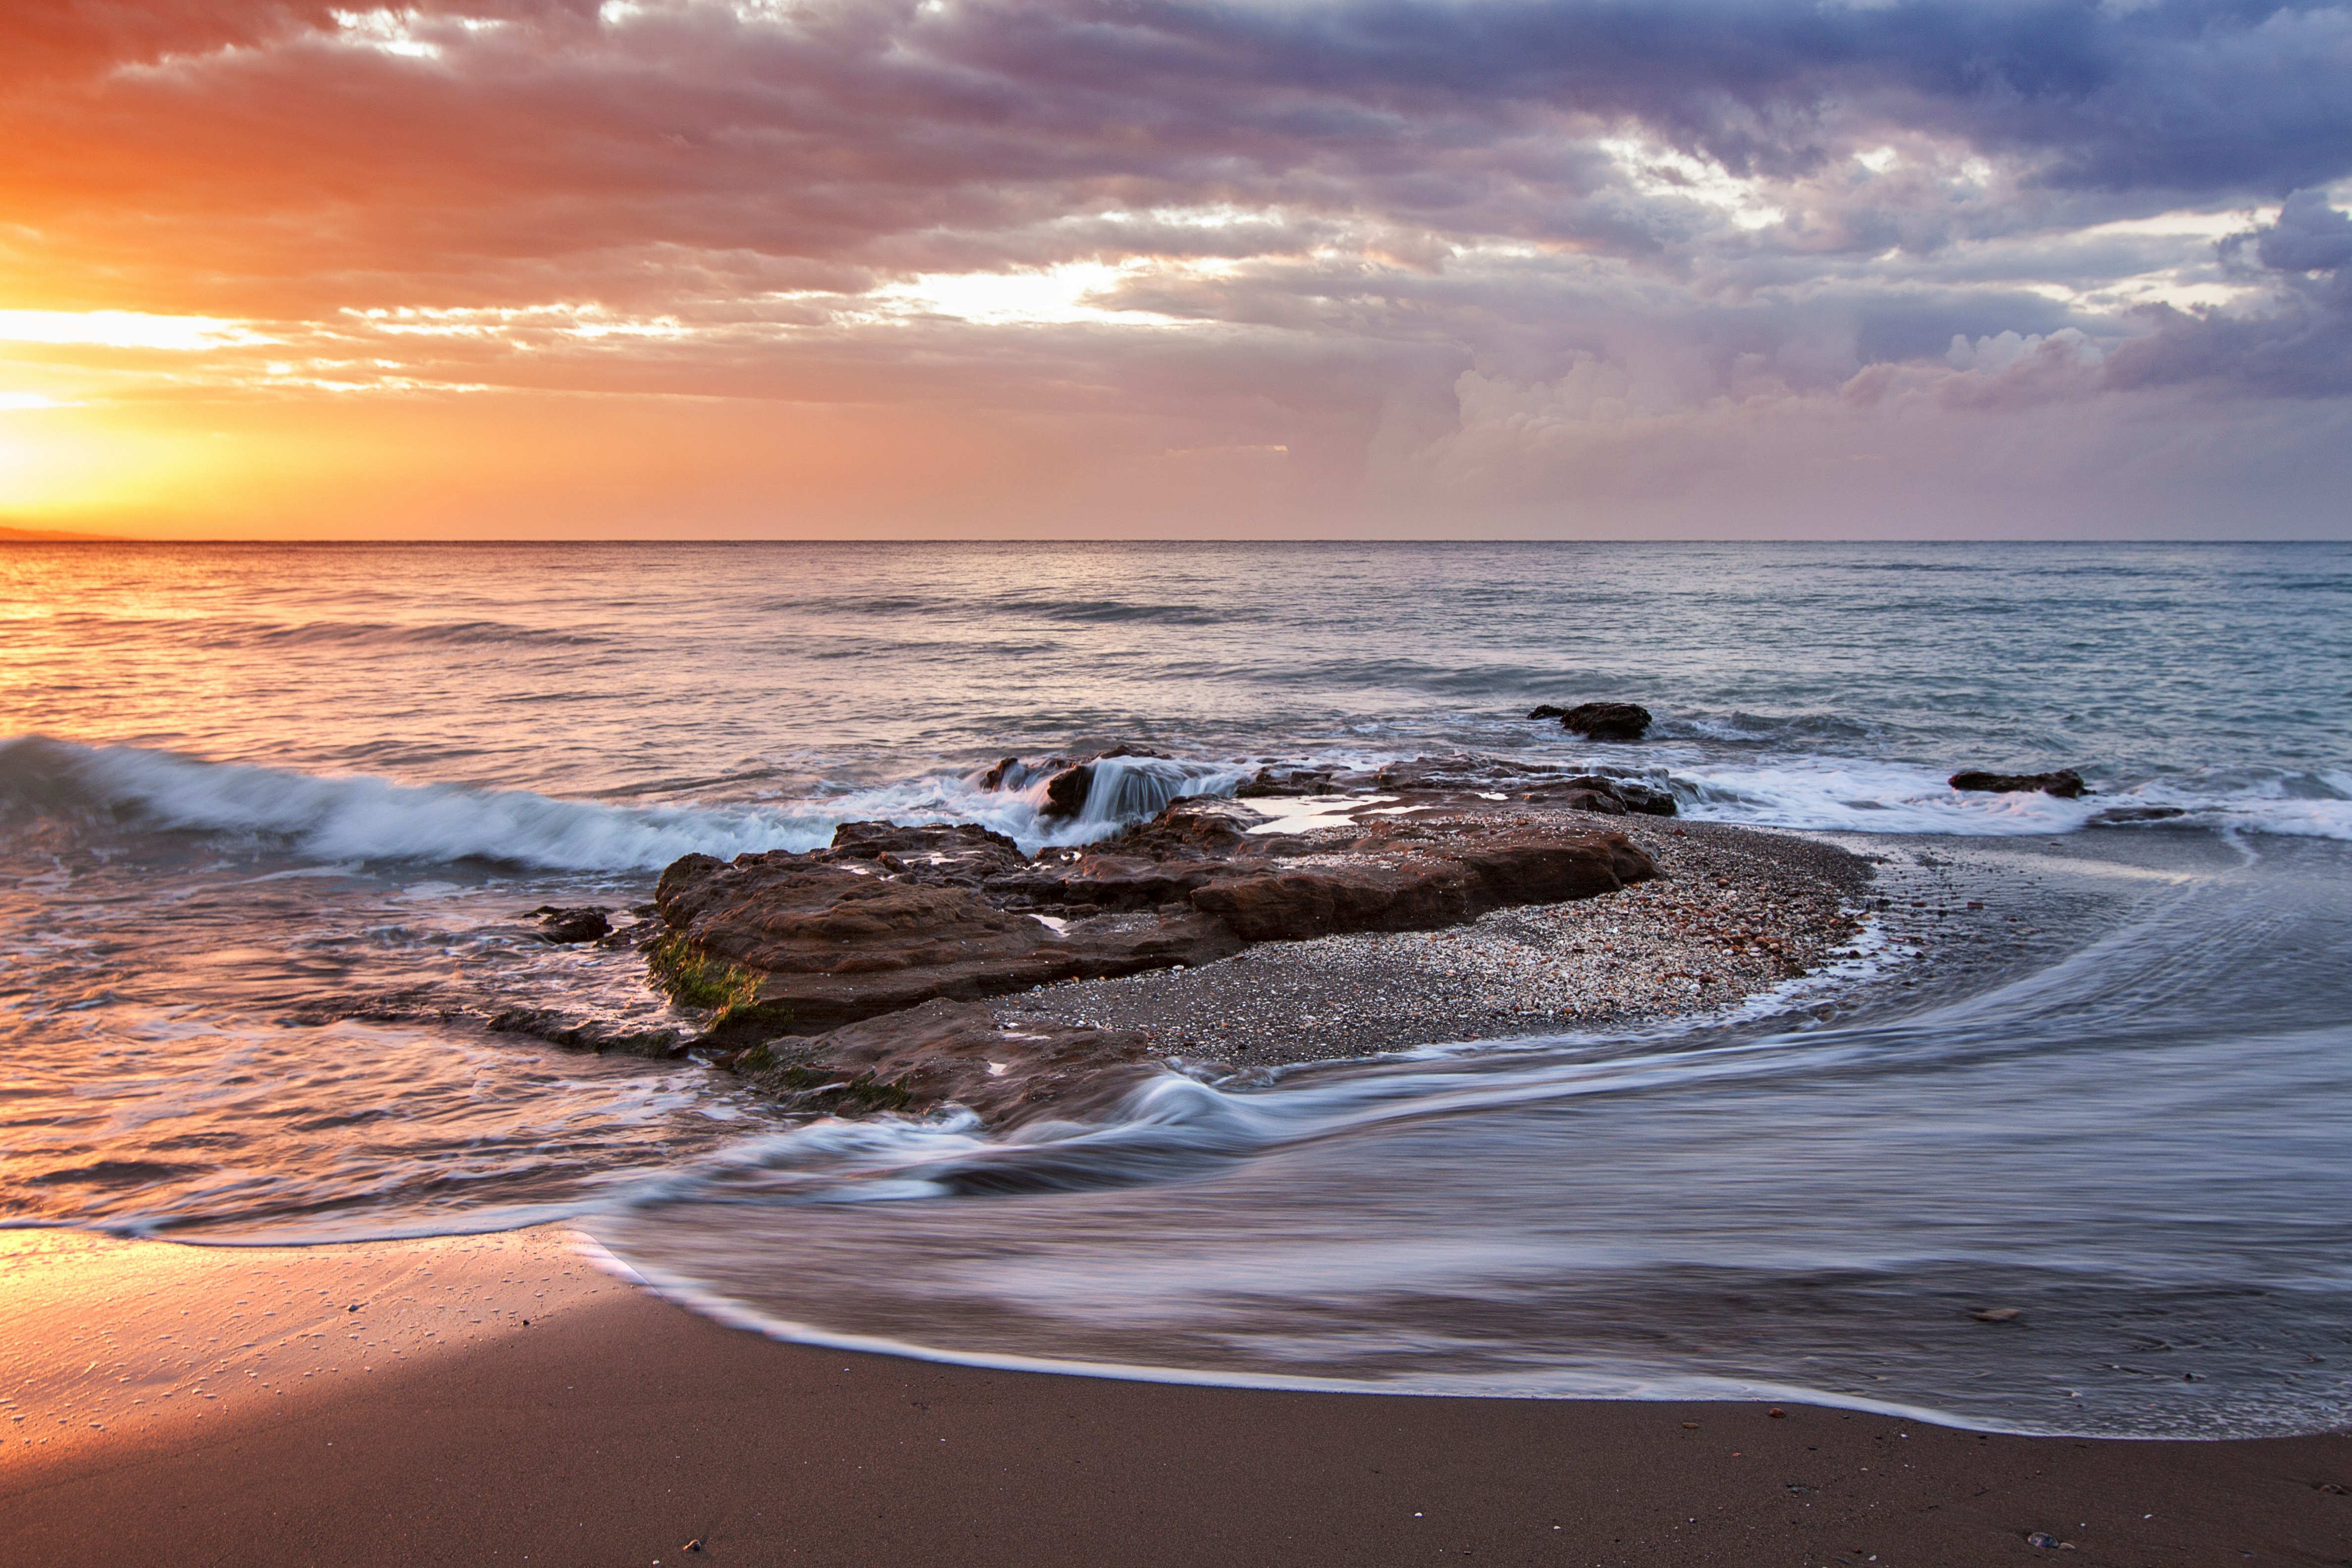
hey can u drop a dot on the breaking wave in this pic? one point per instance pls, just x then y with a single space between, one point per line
361 817
1853 796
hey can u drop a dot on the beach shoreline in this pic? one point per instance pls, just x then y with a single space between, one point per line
620 1428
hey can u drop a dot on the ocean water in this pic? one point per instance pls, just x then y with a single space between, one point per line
271 819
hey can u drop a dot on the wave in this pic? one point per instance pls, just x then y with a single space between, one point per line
1739 727
219 632
1077 611
1112 612
1857 797
444 634
362 817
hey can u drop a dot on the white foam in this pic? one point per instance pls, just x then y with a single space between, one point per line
355 819
1304 814
1123 790
1623 1380
351 819
1853 797
360 819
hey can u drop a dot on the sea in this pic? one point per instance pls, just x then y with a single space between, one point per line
274 819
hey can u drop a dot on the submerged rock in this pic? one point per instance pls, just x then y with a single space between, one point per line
1614 797
2065 783
585 922
2125 815
1600 721
576 1034
952 1052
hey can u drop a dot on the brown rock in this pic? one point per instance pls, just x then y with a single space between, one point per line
964 854
2065 783
1389 881
1065 793
836 945
1626 794
953 1052
889 918
1600 721
584 922
1270 783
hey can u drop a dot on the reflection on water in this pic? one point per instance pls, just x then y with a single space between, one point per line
223 1045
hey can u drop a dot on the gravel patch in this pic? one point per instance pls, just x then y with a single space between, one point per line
1738 911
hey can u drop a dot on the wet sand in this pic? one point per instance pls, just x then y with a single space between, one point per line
617 1428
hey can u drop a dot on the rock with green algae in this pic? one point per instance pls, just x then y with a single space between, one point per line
887 917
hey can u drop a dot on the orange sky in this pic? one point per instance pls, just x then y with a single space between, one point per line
724 268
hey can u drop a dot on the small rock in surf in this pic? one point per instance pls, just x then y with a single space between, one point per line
1600 721
1614 797
2123 816
1065 793
2065 783
585 922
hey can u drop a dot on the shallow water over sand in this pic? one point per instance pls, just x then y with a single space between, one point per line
263 879
2136 1148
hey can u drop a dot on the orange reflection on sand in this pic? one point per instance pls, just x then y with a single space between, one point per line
114 1341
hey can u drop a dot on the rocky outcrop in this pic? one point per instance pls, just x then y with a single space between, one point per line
1600 721
1484 777
1002 773
835 941
2066 783
887 919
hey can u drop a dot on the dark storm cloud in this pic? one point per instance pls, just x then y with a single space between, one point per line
839 128
2182 97
2301 346
2309 237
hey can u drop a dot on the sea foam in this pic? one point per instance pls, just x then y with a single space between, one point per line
360 817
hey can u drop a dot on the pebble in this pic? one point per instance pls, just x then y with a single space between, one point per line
1738 912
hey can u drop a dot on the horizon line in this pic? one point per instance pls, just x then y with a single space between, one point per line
12 535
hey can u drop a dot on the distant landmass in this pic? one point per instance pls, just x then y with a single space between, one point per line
38 534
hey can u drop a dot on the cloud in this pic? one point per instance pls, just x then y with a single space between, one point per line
1479 233
2309 237
2294 341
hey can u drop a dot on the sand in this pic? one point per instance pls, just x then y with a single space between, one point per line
114 1341
617 1428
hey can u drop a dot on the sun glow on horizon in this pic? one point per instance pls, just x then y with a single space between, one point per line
125 330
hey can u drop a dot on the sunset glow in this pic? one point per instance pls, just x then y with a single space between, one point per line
959 268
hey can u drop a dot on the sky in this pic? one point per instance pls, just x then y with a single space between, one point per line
1111 268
